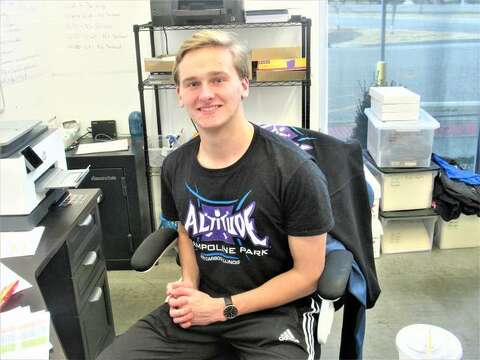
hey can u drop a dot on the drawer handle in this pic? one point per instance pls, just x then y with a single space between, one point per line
88 220
90 259
97 294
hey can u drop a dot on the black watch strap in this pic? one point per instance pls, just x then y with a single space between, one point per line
228 300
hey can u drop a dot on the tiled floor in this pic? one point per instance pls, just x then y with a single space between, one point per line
441 288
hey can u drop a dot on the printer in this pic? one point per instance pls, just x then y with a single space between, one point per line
196 12
33 173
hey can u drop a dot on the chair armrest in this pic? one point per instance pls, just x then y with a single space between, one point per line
152 248
333 281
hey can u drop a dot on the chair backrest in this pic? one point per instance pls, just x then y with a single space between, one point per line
342 164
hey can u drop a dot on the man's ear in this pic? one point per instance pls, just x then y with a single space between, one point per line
245 83
179 97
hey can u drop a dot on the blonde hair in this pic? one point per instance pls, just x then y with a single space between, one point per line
212 38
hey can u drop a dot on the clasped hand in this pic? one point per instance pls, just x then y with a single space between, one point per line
189 306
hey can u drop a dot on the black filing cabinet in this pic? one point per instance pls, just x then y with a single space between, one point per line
124 209
74 284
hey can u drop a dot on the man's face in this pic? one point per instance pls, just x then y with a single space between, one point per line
210 88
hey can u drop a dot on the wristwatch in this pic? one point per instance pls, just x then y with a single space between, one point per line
230 311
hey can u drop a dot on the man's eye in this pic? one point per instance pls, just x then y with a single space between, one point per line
193 84
218 80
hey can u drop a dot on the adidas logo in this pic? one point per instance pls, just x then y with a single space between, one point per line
288 336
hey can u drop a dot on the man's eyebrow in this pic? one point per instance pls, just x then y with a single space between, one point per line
216 73
191 78
210 74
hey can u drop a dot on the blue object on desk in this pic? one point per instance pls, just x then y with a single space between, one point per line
135 123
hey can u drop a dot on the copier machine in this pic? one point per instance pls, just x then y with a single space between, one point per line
33 173
197 12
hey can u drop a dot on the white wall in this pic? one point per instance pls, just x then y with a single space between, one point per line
75 60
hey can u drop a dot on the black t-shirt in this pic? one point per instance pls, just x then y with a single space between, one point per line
239 217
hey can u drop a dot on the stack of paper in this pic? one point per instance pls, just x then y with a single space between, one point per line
24 335
264 16
394 103
20 243
8 276
103 146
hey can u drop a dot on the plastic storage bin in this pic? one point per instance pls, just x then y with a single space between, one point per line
377 230
401 143
398 185
458 233
160 146
407 231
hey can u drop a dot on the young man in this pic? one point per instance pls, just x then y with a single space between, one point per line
253 211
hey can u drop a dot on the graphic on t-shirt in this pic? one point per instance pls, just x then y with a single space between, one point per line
224 230
291 133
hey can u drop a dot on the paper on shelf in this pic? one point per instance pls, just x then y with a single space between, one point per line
20 243
103 146
8 276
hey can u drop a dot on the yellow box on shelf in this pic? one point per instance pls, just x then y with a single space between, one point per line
299 63
258 54
281 75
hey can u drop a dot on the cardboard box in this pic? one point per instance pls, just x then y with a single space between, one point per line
280 75
394 95
250 68
163 63
283 64
394 103
395 112
259 54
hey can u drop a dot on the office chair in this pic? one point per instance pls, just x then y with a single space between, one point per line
349 277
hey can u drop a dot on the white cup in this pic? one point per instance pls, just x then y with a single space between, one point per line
422 342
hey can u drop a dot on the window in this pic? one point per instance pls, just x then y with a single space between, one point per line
431 47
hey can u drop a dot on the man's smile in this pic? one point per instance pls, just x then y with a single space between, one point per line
208 109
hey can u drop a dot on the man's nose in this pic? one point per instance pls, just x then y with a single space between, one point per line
206 92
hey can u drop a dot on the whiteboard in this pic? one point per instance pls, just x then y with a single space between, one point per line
70 59
24 69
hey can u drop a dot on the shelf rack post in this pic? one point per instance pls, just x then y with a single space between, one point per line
136 29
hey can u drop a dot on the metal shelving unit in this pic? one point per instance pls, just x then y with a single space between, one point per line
151 83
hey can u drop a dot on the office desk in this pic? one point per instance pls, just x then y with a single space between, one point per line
125 209
68 278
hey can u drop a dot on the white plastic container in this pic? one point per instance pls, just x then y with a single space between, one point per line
401 143
377 230
398 185
407 231
422 342
395 103
463 232
159 147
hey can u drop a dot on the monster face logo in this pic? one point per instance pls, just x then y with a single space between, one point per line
222 230
291 134
221 223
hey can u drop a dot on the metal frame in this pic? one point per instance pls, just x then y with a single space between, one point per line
151 84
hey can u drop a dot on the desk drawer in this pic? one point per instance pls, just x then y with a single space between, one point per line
90 267
96 319
84 238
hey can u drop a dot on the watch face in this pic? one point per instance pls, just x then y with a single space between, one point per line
230 311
